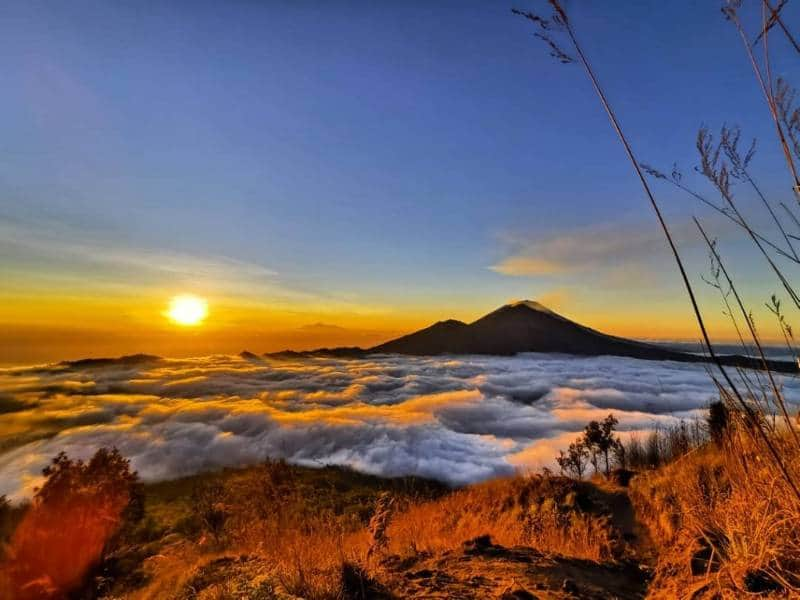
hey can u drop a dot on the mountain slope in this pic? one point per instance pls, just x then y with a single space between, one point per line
444 337
519 327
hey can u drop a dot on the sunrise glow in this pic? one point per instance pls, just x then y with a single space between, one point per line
187 310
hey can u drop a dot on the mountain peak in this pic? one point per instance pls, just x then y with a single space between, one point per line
533 305
529 326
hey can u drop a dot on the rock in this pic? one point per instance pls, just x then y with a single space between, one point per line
398 563
357 585
421 574
482 542
760 582
622 477
705 560
569 586
518 594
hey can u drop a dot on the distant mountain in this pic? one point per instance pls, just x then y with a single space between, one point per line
525 326
130 360
341 352
529 326
444 337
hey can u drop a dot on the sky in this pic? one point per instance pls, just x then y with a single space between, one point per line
341 173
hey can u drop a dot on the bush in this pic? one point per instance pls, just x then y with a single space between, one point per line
597 442
209 502
71 523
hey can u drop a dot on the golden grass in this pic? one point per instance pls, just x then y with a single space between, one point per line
721 523
729 510
551 514
302 550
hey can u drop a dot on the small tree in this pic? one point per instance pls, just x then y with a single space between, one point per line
71 521
620 454
591 438
599 438
379 523
573 462
209 503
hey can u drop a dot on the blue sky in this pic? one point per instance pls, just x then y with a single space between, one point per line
372 158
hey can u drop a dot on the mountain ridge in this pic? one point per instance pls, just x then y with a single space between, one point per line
529 326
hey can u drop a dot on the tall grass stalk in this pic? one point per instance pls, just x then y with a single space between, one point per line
730 11
775 18
561 22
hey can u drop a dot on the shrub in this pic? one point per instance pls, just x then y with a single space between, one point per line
718 422
209 503
598 441
71 523
573 462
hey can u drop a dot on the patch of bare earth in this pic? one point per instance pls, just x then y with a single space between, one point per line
482 569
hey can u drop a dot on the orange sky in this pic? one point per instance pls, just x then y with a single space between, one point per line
49 327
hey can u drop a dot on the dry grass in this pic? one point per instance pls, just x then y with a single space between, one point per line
551 514
724 522
277 530
283 541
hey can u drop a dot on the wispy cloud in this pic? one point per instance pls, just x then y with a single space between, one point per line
525 266
58 243
583 250
72 258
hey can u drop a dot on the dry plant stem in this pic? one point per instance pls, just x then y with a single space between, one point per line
772 108
786 340
746 173
772 103
773 215
784 282
708 171
778 396
628 150
792 216
775 15
748 384
736 219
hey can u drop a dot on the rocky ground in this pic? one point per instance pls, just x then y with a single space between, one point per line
486 570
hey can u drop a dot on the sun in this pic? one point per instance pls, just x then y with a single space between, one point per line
187 310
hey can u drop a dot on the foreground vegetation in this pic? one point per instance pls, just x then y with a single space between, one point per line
708 519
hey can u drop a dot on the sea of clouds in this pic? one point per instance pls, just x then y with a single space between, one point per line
457 419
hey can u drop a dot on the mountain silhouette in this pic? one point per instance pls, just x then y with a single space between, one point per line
529 326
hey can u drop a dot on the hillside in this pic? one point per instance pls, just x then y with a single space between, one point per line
281 532
277 532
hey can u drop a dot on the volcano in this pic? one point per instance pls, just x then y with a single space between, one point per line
529 326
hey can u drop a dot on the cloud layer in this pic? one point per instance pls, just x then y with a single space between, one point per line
456 419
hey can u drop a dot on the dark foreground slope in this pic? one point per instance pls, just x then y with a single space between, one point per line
281 532
530 327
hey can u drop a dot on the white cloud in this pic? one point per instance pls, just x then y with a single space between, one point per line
457 419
